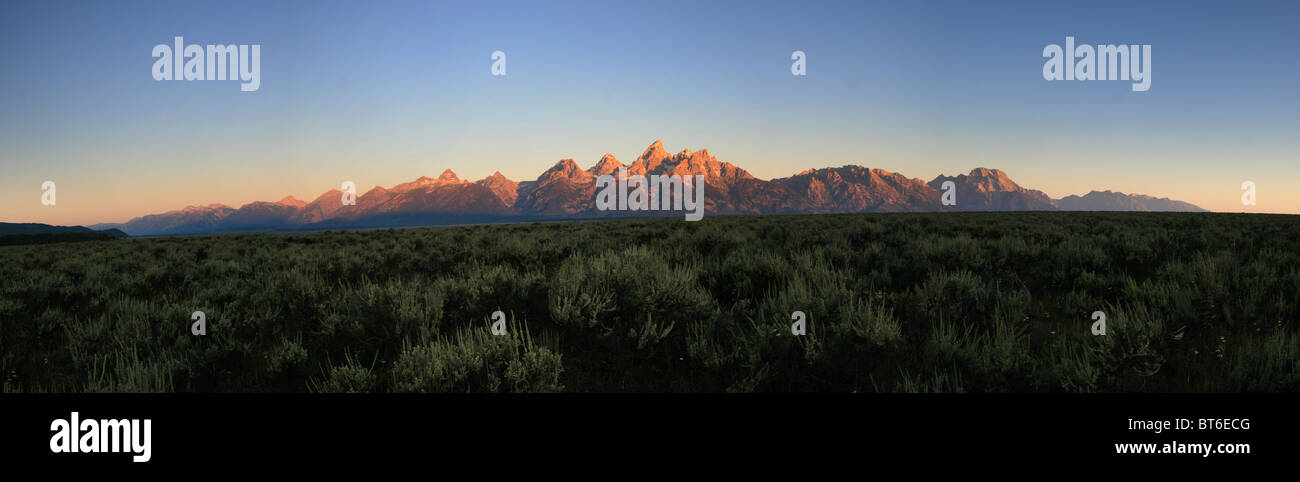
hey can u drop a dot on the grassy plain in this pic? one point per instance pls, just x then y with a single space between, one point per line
960 302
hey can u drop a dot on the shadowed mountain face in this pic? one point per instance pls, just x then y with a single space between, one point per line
563 190
857 189
505 190
567 191
1118 201
322 208
992 190
7 229
34 233
191 220
447 194
259 213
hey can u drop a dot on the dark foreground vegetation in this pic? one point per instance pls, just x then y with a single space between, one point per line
50 238
895 302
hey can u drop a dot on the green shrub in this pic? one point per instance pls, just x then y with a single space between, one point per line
350 377
982 302
477 361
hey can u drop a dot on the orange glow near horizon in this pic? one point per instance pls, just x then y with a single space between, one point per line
103 196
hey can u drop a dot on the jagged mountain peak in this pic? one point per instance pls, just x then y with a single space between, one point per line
495 179
853 188
1117 201
425 182
565 169
993 179
986 172
985 189
701 155
502 187
209 207
566 191
853 173
330 194
606 165
565 165
653 155
291 201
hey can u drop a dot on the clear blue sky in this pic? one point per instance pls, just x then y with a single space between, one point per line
384 92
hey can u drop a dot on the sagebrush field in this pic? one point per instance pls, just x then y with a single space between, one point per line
974 302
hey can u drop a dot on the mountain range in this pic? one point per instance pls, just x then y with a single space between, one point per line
35 233
25 229
566 191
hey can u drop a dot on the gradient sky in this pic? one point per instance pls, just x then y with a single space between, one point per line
384 92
